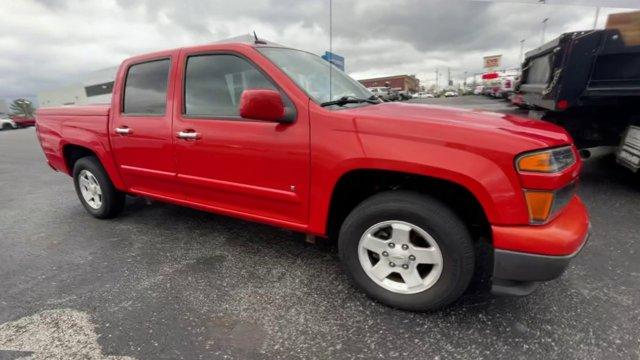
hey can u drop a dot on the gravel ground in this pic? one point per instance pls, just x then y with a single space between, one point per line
165 282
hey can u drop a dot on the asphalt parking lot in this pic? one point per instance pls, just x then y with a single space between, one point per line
165 282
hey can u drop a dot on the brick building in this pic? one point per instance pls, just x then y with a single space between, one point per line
398 82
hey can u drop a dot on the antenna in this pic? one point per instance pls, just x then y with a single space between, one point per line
258 41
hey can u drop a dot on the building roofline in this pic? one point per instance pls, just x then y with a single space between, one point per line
389 77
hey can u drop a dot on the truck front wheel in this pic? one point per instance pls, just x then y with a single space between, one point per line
407 250
95 190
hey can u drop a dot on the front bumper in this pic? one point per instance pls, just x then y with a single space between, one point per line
537 253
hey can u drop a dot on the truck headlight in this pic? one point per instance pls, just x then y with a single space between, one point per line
546 161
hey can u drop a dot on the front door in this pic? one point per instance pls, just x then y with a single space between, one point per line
141 134
244 167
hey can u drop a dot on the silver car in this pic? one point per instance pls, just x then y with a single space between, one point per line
384 93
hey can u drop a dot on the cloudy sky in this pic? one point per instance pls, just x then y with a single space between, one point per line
48 43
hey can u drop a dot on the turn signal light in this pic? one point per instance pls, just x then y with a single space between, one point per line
546 161
543 205
539 204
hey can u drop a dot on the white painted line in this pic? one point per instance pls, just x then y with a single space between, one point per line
54 334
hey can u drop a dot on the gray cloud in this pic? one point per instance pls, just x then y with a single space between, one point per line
48 43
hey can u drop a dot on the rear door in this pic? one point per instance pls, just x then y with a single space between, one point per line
254 169
140 130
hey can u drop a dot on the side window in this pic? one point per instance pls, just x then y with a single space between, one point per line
145 90
214 83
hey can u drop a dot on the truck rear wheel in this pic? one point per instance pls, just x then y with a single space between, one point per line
95 190
407 250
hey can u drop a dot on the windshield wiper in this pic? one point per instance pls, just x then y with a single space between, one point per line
350 100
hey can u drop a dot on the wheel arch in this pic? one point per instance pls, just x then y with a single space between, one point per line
72 152
356 185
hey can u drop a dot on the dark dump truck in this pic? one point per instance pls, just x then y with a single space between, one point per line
589 83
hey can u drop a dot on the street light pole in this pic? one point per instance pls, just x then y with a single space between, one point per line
544 28
521 50
595 21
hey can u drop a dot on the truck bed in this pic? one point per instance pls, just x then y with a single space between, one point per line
79 125
86 110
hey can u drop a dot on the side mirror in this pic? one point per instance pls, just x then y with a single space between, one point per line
262 104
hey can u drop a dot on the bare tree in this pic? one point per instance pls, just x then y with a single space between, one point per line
22 107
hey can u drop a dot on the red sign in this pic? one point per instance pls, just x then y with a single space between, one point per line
489 76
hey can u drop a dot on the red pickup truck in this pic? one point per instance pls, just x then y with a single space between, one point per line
274 135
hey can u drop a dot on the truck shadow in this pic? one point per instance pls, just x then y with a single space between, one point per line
249 243
605 172
280 258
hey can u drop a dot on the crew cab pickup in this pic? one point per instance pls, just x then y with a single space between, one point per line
414 194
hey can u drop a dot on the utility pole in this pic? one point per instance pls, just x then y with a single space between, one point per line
521 51
544 28
448 77
595 21
437 78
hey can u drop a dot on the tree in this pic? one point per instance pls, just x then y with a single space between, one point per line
22 107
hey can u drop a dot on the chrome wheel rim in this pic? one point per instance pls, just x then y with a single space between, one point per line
90 189
400 257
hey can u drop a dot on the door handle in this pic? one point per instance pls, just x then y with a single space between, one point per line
123 131
188 135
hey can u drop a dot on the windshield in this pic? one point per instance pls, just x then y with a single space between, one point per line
311 73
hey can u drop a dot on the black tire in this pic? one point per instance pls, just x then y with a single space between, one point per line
112 199
6 127
430 215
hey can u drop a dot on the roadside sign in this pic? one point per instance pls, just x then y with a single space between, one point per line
492 61
336 60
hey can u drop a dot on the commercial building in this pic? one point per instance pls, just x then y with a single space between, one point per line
4 109
94 88
398 82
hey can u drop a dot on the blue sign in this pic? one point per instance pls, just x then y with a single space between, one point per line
336 60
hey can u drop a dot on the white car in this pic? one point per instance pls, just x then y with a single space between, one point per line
450 94
423 95
7 124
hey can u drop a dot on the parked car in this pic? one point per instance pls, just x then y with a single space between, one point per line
394 94
23 121
450 94
414 194
507 86
478 90
7 124
404 95
383 93
423 95
493 90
